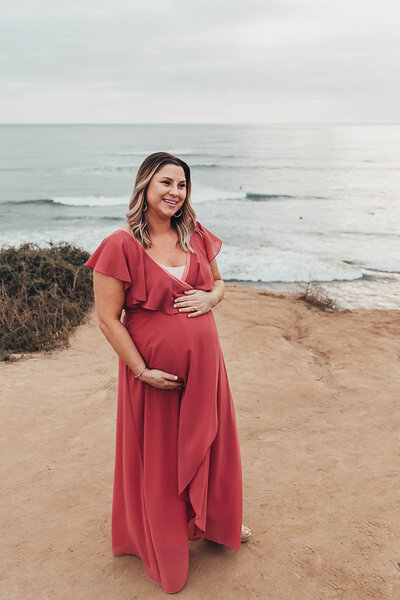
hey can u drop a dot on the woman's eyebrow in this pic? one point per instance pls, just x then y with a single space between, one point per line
170 178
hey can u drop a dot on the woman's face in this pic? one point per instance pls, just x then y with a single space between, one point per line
166 191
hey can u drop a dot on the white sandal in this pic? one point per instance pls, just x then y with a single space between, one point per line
246 534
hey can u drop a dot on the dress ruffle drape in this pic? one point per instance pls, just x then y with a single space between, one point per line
177 463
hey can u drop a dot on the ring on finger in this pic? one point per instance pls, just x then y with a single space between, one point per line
194 307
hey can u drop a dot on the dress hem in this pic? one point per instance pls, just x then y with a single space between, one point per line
174 591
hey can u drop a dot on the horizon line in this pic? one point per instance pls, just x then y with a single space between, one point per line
213 123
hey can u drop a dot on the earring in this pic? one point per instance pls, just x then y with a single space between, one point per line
145 206
176 214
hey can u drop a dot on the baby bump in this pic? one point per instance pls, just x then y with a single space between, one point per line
173 342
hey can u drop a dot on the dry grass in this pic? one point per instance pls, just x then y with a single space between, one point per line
314 294
44 294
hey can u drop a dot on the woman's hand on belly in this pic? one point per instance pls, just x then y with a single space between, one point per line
195 302
162 380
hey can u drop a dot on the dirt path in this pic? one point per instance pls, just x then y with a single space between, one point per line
317 404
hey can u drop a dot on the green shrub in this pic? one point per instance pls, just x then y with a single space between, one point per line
44 294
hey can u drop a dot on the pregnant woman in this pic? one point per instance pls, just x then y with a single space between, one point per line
177 464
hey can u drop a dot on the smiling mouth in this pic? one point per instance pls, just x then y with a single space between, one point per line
171 202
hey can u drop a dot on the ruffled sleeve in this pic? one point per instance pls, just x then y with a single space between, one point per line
212 243
110 258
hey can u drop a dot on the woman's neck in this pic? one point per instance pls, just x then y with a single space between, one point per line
158 226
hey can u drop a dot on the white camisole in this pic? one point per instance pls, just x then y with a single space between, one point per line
175 271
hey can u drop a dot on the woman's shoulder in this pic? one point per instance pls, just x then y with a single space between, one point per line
119 238
198 226
201 230
124 228
119 245
212 243
113 256
119 233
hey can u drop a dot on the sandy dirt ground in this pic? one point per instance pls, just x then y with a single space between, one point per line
317 405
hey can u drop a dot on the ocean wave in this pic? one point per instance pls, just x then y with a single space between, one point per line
198 196
136 153
30 201
261 197
204 166
211 155
92 201
102 169
90 218
112 168
379 272
107 169
213 195
25 169
148 152
72 201
266 197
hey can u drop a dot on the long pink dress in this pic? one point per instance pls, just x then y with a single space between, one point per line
178 469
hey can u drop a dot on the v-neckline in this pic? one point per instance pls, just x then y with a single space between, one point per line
162 267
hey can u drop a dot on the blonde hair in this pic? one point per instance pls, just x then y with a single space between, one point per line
185 224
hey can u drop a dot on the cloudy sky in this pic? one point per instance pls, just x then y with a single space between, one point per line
204 61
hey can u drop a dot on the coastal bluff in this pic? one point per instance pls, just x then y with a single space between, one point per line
316 396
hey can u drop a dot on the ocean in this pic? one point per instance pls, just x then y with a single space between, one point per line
292 203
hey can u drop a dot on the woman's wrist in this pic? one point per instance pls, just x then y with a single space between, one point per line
137 376
214 297
145 374
217 292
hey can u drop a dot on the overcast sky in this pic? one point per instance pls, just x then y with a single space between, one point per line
203 61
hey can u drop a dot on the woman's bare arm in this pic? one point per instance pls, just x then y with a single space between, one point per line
109 297
218 289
